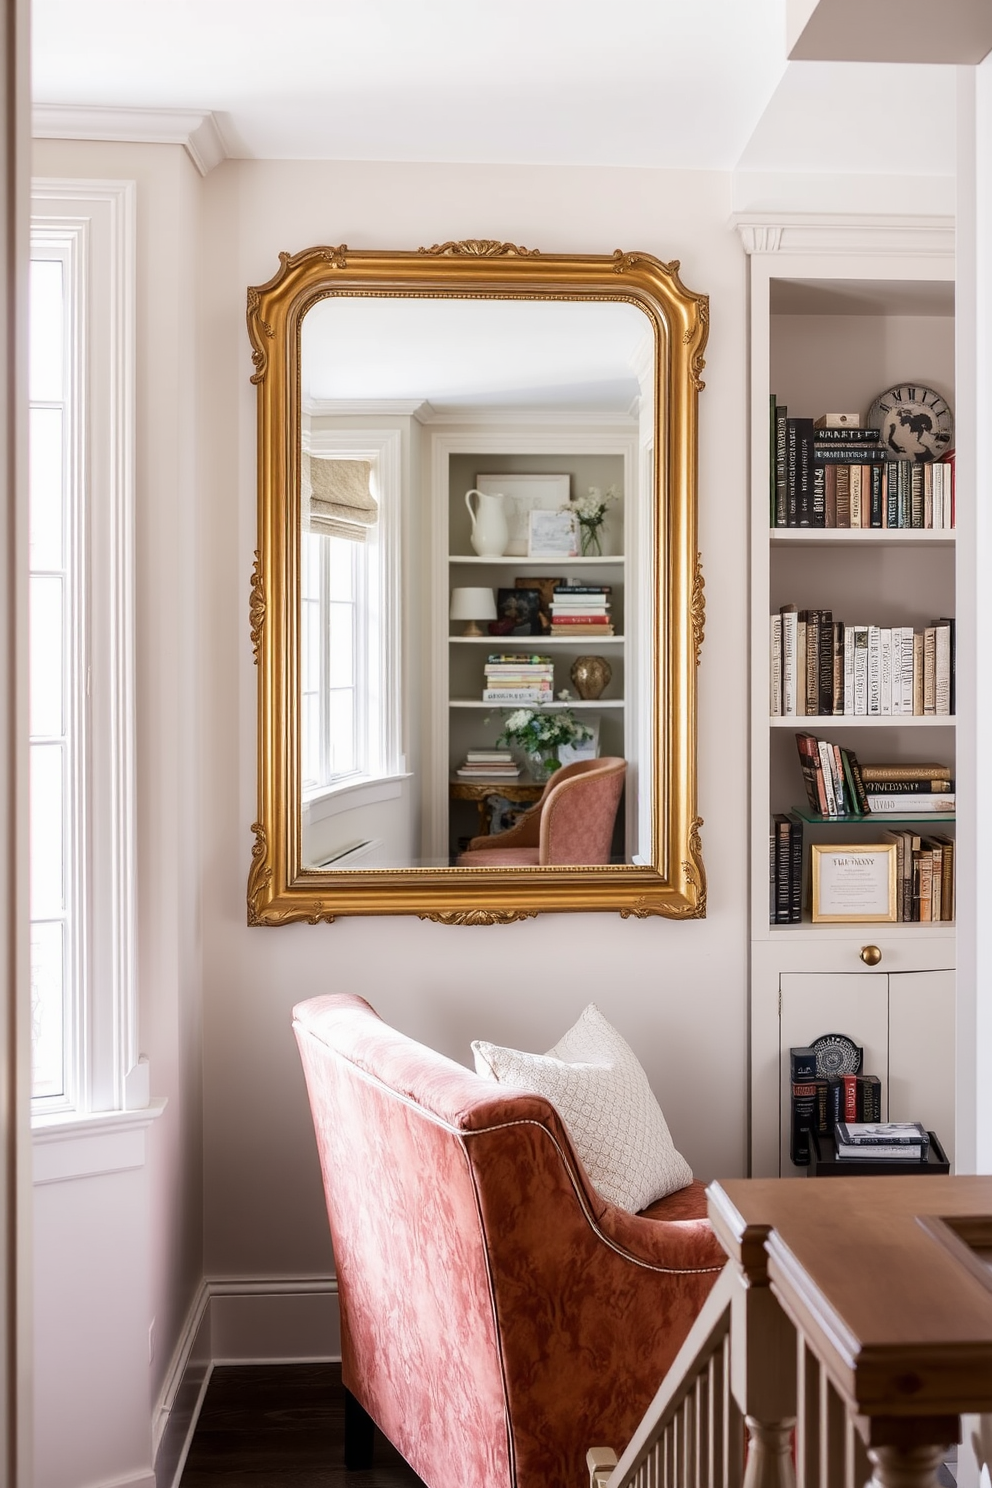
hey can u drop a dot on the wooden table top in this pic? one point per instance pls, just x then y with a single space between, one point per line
889 1278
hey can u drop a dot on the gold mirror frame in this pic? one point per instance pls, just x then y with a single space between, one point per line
674 886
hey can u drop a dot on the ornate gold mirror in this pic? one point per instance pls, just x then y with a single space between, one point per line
476 567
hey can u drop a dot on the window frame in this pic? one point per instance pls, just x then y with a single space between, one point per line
93 223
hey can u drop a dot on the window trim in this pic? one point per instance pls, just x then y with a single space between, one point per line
98 218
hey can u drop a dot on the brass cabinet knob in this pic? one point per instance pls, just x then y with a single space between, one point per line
871 955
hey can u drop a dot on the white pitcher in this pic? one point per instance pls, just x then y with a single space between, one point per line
490 529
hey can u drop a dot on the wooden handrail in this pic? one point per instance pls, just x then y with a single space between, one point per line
860 1330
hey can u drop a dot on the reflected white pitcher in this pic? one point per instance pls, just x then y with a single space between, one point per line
490 529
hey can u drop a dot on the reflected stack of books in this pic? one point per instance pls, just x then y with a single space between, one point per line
581 610
512 678
488 764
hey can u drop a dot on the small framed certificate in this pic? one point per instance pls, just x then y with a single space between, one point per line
855 884
553 534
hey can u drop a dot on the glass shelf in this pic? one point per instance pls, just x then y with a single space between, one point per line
875 818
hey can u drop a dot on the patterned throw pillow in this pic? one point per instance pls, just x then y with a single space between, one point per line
593 1079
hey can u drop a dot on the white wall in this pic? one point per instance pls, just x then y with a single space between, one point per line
167 768
676 991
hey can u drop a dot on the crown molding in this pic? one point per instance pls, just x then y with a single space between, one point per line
197 132
807 233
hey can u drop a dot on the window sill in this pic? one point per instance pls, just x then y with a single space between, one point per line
334 799
71 1145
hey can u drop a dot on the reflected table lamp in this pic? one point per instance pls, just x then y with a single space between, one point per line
472 605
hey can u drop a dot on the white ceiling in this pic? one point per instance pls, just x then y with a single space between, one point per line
669 83
681 84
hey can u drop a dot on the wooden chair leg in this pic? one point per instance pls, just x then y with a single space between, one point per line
359 1434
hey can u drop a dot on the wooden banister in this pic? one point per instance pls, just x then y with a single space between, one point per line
851 1330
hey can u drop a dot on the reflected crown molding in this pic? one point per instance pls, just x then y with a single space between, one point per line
198 132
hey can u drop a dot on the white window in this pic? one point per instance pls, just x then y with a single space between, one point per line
81 662
349 632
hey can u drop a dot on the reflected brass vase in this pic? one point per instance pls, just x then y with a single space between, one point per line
591 676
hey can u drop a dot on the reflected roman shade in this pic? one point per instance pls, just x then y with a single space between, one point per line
337 499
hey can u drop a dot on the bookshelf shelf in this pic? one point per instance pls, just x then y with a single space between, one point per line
824 722
538 643
574 705
873 819
831 327
843 537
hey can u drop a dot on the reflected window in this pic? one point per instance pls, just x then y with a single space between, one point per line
348 732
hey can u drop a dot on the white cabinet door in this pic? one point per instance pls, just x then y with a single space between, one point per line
854 1004
921 1051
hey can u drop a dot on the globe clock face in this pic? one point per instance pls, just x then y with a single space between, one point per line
914 422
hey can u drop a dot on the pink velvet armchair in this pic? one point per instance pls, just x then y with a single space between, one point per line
497 1315
572 823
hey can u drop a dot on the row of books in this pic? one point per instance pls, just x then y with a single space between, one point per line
580 610
488 764
845 477
837 784
785 869
511 678
820 666
821 1105
924 876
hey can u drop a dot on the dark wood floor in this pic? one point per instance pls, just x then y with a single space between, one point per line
281 1426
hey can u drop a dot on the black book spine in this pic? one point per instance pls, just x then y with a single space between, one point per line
781 468
804 1115
849 434
802 1065
876 479
783 868
851 455
795 869
825 700
791 473
804 472
892 493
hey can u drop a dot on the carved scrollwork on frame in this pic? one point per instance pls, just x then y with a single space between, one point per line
479 916
259 874
256 605
257 328
478 248
697 608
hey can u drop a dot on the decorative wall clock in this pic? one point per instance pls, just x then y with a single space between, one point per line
914 422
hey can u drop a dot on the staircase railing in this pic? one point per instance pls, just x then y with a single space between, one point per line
850 1330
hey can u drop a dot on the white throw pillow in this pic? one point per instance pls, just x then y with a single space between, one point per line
593 1079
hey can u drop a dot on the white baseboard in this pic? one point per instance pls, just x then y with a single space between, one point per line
238 1320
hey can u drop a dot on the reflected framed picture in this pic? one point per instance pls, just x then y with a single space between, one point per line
855 884
523 494
553 534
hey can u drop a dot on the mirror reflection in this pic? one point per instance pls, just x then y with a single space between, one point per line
475 661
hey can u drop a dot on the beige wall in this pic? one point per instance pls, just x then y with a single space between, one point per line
676 991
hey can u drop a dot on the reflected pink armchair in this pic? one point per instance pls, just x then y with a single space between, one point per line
497 1314
572 823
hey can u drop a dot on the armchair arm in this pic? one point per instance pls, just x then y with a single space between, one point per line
525 832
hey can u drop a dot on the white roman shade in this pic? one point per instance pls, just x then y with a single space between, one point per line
337 499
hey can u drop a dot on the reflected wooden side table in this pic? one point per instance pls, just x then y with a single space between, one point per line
482 791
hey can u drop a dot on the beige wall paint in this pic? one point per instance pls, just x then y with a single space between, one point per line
676 991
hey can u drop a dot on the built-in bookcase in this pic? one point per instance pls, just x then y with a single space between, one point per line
839 313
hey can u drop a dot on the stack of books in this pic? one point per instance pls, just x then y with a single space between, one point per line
882 1141
581 610
819 665
838 785
785 867
825 1104
512 678
844 477
489 764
